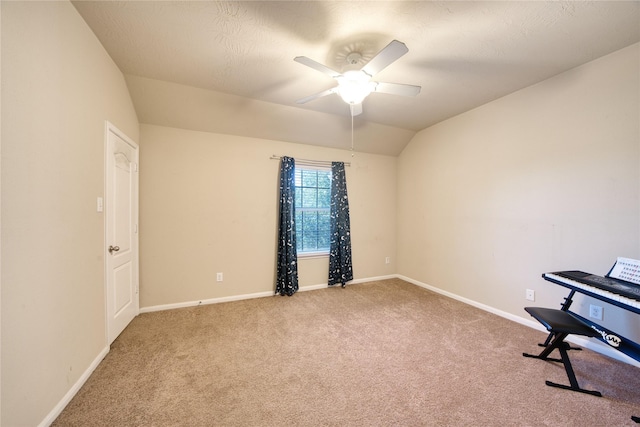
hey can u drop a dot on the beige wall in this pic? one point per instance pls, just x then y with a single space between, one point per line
58 88
209 204
545 179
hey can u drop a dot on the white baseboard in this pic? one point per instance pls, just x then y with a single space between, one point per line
250 296
593 345
196 303
57 410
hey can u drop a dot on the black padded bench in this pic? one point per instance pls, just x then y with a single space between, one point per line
560 324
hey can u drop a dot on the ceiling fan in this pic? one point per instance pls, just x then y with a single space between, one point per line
355 85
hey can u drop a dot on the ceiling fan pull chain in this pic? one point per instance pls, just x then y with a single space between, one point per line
351 134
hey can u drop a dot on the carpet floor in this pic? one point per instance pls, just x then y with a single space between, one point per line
385 353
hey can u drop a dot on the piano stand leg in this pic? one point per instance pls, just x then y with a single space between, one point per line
562 346
568 300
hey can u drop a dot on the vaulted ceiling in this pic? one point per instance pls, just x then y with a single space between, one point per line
228 67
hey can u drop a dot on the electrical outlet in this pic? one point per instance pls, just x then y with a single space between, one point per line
218 277
595 311
387 260
530 295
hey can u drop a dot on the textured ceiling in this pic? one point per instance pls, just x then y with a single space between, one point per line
236 58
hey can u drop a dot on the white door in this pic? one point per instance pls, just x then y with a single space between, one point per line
121 240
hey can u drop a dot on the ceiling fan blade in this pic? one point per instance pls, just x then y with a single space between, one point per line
317 95
356 109
317 66
386 56
397 89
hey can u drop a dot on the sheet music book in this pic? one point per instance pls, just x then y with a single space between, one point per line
626 269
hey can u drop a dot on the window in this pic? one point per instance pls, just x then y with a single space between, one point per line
313 208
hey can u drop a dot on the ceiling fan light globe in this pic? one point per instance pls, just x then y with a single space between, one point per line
354 87
352 95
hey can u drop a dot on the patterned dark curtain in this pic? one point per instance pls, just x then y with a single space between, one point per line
287 271
340 267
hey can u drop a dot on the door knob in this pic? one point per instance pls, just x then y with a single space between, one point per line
113 249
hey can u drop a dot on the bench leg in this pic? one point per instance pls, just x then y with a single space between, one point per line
570 373
559 343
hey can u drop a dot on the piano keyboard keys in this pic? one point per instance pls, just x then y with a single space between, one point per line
607 295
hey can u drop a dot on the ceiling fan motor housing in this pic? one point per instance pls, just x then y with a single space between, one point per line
354 58
353 61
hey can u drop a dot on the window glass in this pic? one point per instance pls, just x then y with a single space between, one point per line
312 205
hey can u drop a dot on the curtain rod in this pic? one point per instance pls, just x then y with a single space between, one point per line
308 162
